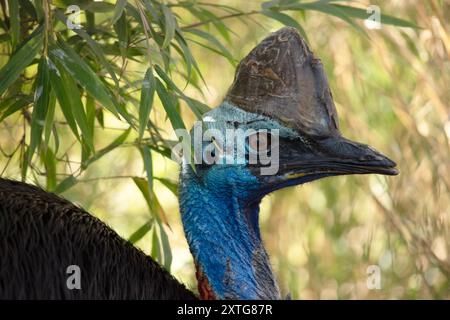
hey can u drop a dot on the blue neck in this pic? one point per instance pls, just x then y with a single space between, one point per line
221 227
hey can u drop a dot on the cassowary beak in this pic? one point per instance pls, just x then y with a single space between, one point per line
301 162
331 156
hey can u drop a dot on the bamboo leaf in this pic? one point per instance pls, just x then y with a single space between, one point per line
386 19
14 16
169 25
96 6
14 107
196 106
118 10
117 142
69 98
141 232
167 252
325 7
187 55
169 105
57 79
86 77
20 60
121 28
221 49
65 185
98 51
156 249
90 115
286 20
152 201
145 106
49 117
143 186
41 101
4 37
147 157
50 168
169 184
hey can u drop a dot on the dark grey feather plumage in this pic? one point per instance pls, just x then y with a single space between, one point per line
42 234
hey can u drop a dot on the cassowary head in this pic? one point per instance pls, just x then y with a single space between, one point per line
276 127
278 124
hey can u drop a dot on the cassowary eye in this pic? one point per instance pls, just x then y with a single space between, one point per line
260 142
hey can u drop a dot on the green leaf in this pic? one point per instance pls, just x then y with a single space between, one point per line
49 160
49 117
151 199
41 101
325 7
64 96
98 51
286 20
386 19
86 77
69 99
167 252
20 60
145 105
169 105
121 28
169 25
196 106
169 184
56 138
143 186
16 106
221 49
141 232
147 157
14 16
96 6
65 185
156 250
187 56
206 15
90 115
199 108
96 48
4 37
118 10
100 153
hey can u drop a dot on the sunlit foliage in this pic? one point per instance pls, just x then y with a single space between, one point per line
89 113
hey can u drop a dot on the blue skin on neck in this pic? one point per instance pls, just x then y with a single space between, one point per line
219 205
220 218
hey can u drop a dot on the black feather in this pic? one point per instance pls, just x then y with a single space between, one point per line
42 234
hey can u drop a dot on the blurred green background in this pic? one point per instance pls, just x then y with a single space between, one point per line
391 89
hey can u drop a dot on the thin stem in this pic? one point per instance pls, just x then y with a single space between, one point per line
228 16
47 25
146 27
106 178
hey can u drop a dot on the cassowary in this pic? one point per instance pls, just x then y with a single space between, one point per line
281 87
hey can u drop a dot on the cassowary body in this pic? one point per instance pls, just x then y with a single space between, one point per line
42 235
279 87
